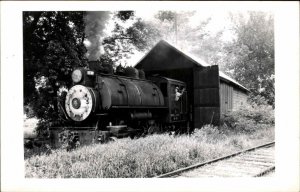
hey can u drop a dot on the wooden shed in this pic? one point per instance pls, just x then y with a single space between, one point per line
211 93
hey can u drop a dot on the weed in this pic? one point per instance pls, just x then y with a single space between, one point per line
157 154
145 157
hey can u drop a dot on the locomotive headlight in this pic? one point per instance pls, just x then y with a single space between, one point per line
80 101
76 76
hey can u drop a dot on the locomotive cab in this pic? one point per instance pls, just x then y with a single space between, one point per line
175 97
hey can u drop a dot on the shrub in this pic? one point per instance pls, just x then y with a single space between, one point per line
249 118
209 133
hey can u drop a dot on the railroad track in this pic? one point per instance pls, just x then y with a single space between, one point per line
253 162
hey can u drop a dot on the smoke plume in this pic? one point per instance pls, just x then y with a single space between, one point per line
94 29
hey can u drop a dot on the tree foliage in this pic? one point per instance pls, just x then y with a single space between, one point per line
124 40
193 38
251 55
53 46
174 27
124 15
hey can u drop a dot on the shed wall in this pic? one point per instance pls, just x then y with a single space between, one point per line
231 98
239 99
226 98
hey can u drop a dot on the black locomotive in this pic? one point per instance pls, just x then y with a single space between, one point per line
101 107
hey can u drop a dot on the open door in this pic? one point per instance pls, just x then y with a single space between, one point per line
206 96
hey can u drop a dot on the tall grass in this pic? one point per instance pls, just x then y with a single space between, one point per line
155 154
145 157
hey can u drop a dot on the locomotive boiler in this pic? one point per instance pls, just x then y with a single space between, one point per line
100 107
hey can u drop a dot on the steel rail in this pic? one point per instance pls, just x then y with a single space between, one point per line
178 171
267 170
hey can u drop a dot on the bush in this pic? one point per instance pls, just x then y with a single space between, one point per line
209 133
249 118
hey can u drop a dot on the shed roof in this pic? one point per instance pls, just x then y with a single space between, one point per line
196 60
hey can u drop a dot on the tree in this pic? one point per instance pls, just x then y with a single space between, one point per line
125 38
251 55
175 28
132 34
125 15
193 38
53 46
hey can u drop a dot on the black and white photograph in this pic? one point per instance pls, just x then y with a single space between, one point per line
124 92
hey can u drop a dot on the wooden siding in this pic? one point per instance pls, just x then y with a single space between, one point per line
206 96
231 98
226 97
239 99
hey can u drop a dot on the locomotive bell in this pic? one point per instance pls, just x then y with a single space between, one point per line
80 101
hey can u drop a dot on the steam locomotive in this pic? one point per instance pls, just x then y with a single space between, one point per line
100 107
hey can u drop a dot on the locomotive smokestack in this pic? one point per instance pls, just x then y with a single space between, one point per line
94 29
